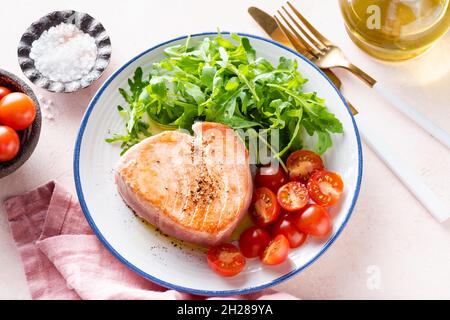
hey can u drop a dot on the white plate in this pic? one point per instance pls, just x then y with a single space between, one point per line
154 256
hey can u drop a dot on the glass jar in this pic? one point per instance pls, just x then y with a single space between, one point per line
395 29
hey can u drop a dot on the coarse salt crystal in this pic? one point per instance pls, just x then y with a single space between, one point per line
64 53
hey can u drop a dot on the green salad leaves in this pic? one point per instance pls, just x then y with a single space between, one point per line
222 80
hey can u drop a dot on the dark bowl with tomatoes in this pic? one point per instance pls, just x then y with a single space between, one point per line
28 137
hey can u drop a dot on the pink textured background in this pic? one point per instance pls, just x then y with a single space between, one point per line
391 247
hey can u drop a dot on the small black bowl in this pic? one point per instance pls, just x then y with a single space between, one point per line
85 23
28 137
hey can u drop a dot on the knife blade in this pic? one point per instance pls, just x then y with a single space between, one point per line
270 26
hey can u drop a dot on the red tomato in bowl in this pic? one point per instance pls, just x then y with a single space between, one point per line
270 177
286 226
17 110
265 208
253 241
293 196
9 143
315 221
3 92
302 164
226 260
325 188
277 251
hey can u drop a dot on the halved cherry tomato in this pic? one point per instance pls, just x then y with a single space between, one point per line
226 260
4 91
325 188
302 164
315 221
277 251
286 226
253 241
17 110
272 177
9 143
293 196
266 209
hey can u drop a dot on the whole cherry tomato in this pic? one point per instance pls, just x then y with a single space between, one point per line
315 221
253 241
3 92
286 226
9 144
271 176
17 110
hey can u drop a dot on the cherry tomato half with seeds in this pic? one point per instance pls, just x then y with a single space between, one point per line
315 221
325 188
17 110
3 92
253 241
271 176
226 260
277 251
9 144
302 164
293 196
286 226
265 209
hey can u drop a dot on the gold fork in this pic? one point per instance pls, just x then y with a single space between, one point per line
326 55
317 47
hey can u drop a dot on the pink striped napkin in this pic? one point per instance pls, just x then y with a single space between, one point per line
62 258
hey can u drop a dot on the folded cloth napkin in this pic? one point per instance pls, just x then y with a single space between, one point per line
64 260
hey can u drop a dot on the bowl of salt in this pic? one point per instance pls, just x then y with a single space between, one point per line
64 51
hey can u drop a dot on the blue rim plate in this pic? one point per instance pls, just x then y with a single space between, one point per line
107 244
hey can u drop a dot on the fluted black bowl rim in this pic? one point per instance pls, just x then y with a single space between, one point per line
85 23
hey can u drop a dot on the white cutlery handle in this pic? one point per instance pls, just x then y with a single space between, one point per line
417 117
401 169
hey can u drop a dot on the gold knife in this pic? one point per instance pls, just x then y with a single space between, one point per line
270 26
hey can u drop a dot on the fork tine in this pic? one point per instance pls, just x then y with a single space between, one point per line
314 42
300 39
313 30
299 47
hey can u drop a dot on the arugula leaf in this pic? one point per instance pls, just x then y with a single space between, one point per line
236 122
158 87
207 76
194 92
222 80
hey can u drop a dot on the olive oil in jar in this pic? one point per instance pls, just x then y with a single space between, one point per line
395 29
